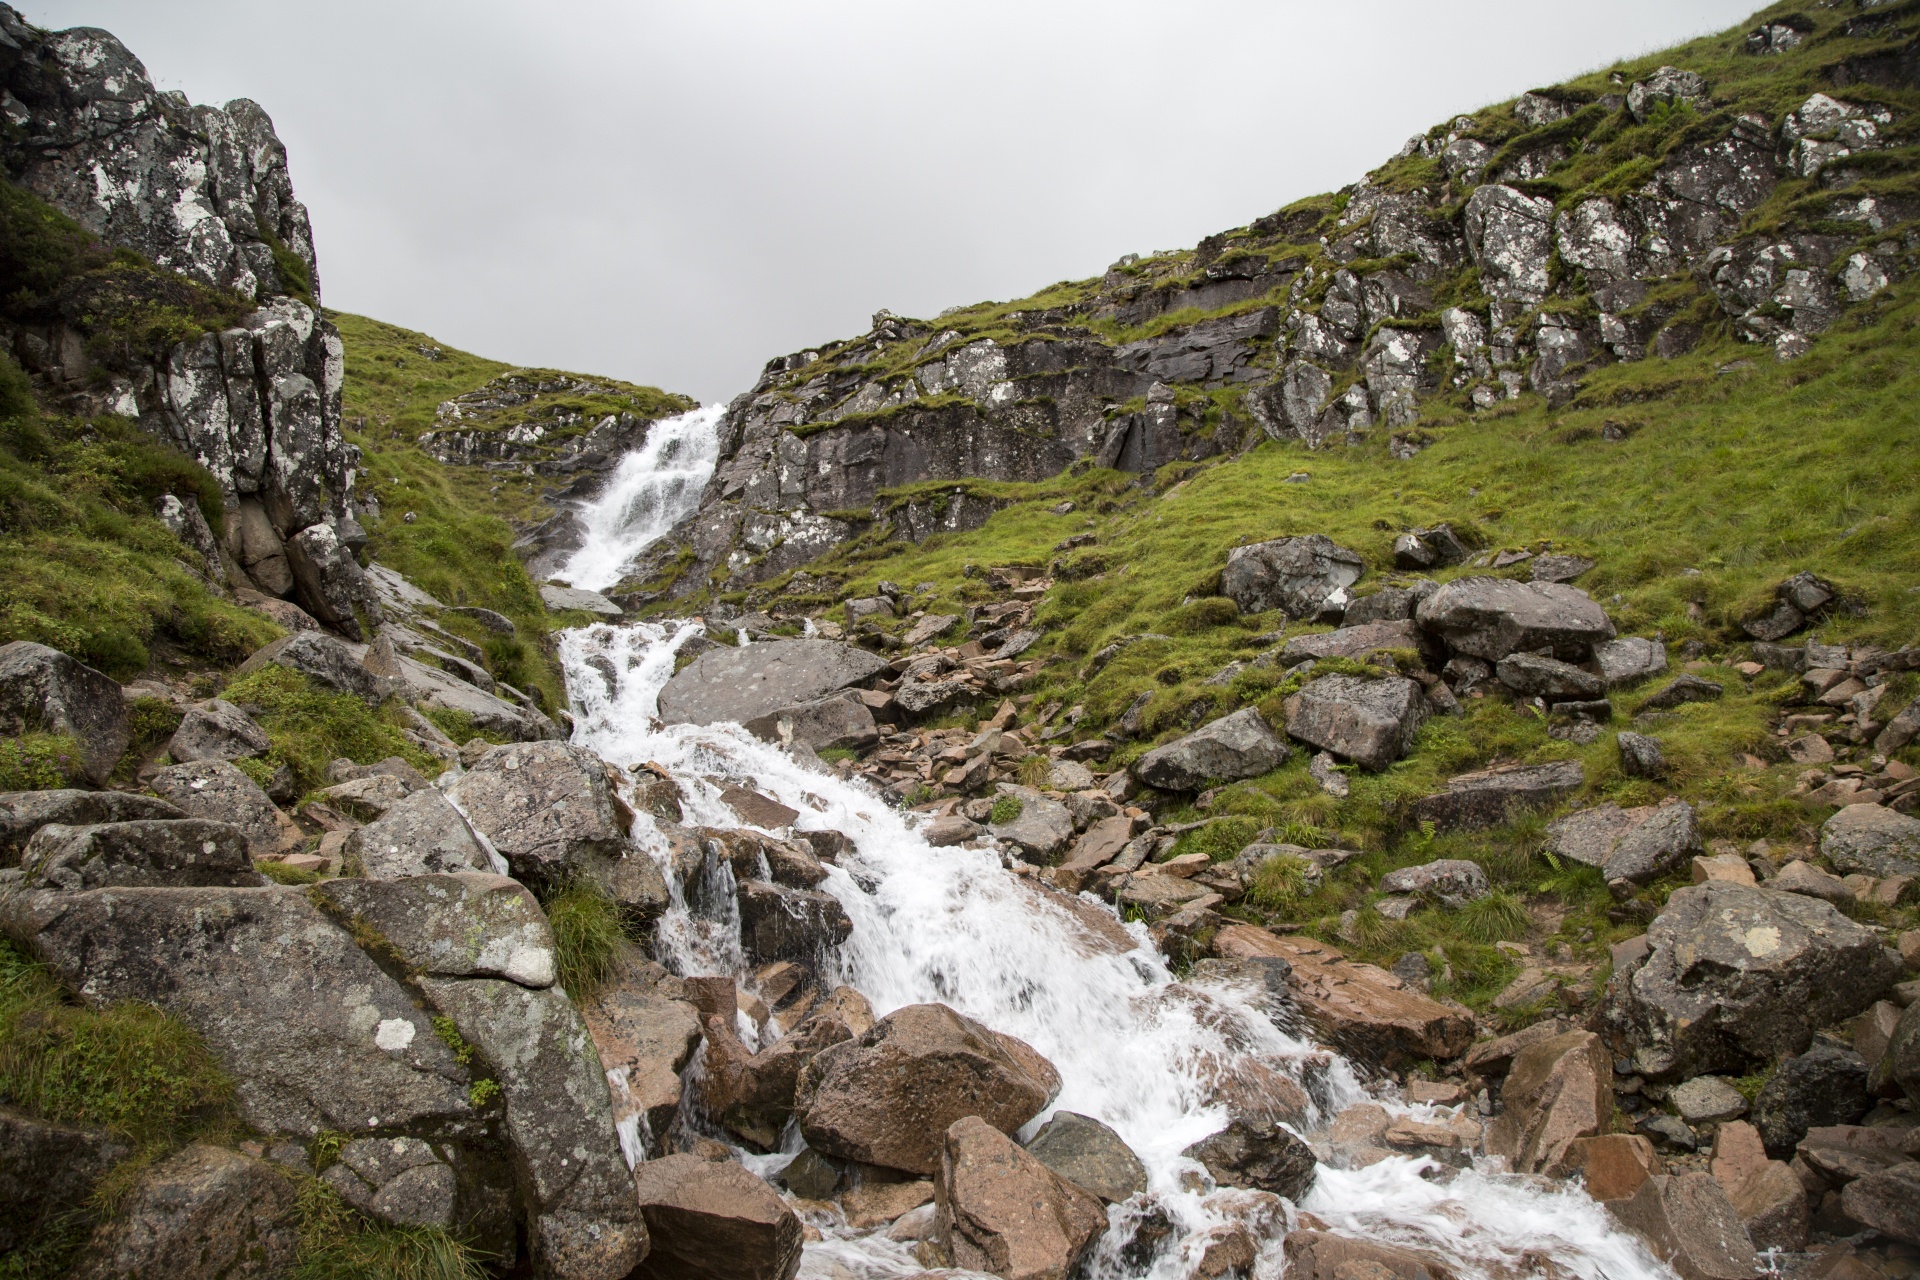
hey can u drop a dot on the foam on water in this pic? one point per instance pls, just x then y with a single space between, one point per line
652 489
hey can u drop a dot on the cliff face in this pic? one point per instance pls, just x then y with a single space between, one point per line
245 376
1760 182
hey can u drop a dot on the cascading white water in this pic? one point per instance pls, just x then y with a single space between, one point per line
653 488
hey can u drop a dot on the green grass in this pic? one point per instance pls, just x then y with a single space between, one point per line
310 727
337 1243
587 935
39 762
1006 809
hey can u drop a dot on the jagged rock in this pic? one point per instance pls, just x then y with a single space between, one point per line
180 852
1043 828
1871 839
1822 1087
583 1220
1371 722
216 730
1389 604
1000 1210
326 660
330 583
421 834
842 722
47 1170
467 925
399 1181
1630 658
646 1032
1665 87
560 599
205 1211
1558 568
1629 844
713 1220
1887 1202
1612 1164
1532 676
1454 882
365 799
1558 1090
887 1097
753 1093
1089 1155
1688 1222
216 789
1261 1157
1737 975
1902 1063
926 699
1492 617
44 691
746 683
1237 746
1511 238
1306 577
272 986
779 923
1430 548
434 690
1771 1204
1640 756
24 812
1490 797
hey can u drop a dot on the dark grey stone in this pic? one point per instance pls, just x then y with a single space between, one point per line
43 690
1090 1155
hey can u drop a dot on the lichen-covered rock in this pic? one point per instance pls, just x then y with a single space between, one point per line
1532 676
401 1181
1628 659
1371 722
43 690
48 1170
1871 839
839 723
216 730
331 585
1453 882
328 661
1511 238
1492 617
180 852
421 834
24 812
1241 745
466 925
1305 577
1629 844
1489 797
216 789
205 1211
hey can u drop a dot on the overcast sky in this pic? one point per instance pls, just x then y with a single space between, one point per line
674 192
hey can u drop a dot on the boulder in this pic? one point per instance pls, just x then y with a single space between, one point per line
330 584
1798 877
1532 676
1871 839
1100 844
1426 548
1510 236
1558 1090
216 730
1629 844
1887 1202
713 1220
1629 659
560 599
1371 722
1736 975
422 834
216 789
436 690
328 661
24 812
887 1096
1157 896
646 1032
1089 1155
1551 568
753 1093
781 923
1640 756
1453 882
366 799
1233 747
1304 577
1365 1011
1490 618
1822 1087
1322 1255
582 1218
1389 604
1000 1210
1042 828
742 684
400 1181
179 852
1358 641
1681 689
1771 1204
43 690
1259 1157
48 1170
204 1211
1490 797
1707 1100
1688 1222
839 723
1902 1063
1613 1165
467 925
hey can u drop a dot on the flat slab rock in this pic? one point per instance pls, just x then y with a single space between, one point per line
1490 618
24 812
713 1220
1489 797
1628 844
742 684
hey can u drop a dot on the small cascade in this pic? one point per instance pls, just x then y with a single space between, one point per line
653 489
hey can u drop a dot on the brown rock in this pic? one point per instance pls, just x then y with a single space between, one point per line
1321 1255
1687 1220
1558 1090
646 1034
1887 1202
1000 1210
1495 1057
1259 1157
753 1094
882 1202
889 1096
1738 1154
761 811
1364 1010
1614 1164
1100 845
712 1220
1772 1206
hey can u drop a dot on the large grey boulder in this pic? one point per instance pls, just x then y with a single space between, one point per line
216 730
1371 722
1874 840
1241 745
1735 975
418 835
555 596
330 583
1304 577
1489 797
43 690
1629 844
1826 1085
742 684
1042 828
204 1211
1358 641
181 852
1089 1155
435 690
327 660
1492 617
401 1181
583 1219
216 789
24 812
840 722
272 986
466 925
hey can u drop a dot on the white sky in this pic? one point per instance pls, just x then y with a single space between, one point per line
672 193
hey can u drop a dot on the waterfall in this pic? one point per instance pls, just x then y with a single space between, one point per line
1135 1046
653 489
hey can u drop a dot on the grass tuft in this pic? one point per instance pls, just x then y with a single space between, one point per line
587 933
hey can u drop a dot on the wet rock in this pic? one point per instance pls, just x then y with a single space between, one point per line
1738 975
713 1220
1042 828
328 661
1629 659
399 1181
1532 676
742 684
1322 1255
216 730
1640 756
1707 1100
1688 1222
1371 722
1261 1157
44 691
753 1093
1871 839
1822 1087
1491 618
1089 1155
1557 1091
217 790
180 852
24 812
422 834
205 1211
1634 845
1241 745
466 925
1613 1164
1490 797
1305 577
841 722
781 923
645 1032
1000 1210
875 1204
888 1096
1357 641
1886 1202
47 1170
757 810
1453 882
